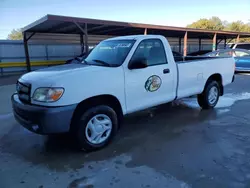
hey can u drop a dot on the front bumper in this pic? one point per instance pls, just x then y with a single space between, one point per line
40 119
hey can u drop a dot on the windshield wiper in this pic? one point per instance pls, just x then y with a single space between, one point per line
102 62
85 62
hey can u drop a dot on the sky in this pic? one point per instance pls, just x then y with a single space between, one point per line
19 13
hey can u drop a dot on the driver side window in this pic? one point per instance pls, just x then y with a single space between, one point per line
152 50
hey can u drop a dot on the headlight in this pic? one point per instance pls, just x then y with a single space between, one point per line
47 94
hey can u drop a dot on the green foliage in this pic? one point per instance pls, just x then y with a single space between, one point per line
16 34
216 23
238 26
213 23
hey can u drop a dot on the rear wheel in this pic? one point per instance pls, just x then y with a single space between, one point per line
96 127
210 96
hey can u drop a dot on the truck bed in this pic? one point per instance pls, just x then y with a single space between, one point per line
193 72
180 59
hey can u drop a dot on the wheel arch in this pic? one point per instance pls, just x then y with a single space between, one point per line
108 100
218 78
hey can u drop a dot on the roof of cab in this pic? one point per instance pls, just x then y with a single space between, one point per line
134 37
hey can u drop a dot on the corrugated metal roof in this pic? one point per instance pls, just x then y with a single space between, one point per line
66 25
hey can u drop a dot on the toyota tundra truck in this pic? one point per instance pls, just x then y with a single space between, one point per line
120 76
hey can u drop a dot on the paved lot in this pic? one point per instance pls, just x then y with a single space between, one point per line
174 145
9 79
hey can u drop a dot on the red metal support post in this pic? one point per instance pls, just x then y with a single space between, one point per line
185 44
238 39
214 42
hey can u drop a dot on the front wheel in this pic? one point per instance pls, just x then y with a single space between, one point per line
96 128
210 96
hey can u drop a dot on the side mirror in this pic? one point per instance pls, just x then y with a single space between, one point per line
137 64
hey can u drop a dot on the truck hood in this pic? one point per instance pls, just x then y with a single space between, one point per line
54 72
78 80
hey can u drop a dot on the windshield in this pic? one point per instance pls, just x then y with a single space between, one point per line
110 53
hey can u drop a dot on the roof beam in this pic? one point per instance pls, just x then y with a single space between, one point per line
32 34
61 29
56 27
133 31
84 31
229 40
110 30
97 27
218 42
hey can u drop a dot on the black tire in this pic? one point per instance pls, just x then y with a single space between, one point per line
202 98
81 124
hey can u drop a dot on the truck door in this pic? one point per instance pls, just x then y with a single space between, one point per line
151 85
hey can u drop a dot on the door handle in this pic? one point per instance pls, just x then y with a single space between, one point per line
166 71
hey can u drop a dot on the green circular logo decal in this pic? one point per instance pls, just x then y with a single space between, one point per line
153 83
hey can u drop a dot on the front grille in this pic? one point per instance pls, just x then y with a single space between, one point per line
23 91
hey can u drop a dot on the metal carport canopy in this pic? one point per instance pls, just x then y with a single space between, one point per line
85 26
66 25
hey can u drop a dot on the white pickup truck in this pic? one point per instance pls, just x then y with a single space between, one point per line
120 76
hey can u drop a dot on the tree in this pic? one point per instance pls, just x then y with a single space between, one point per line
239 26
216 23
235 26
16 34
213 23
